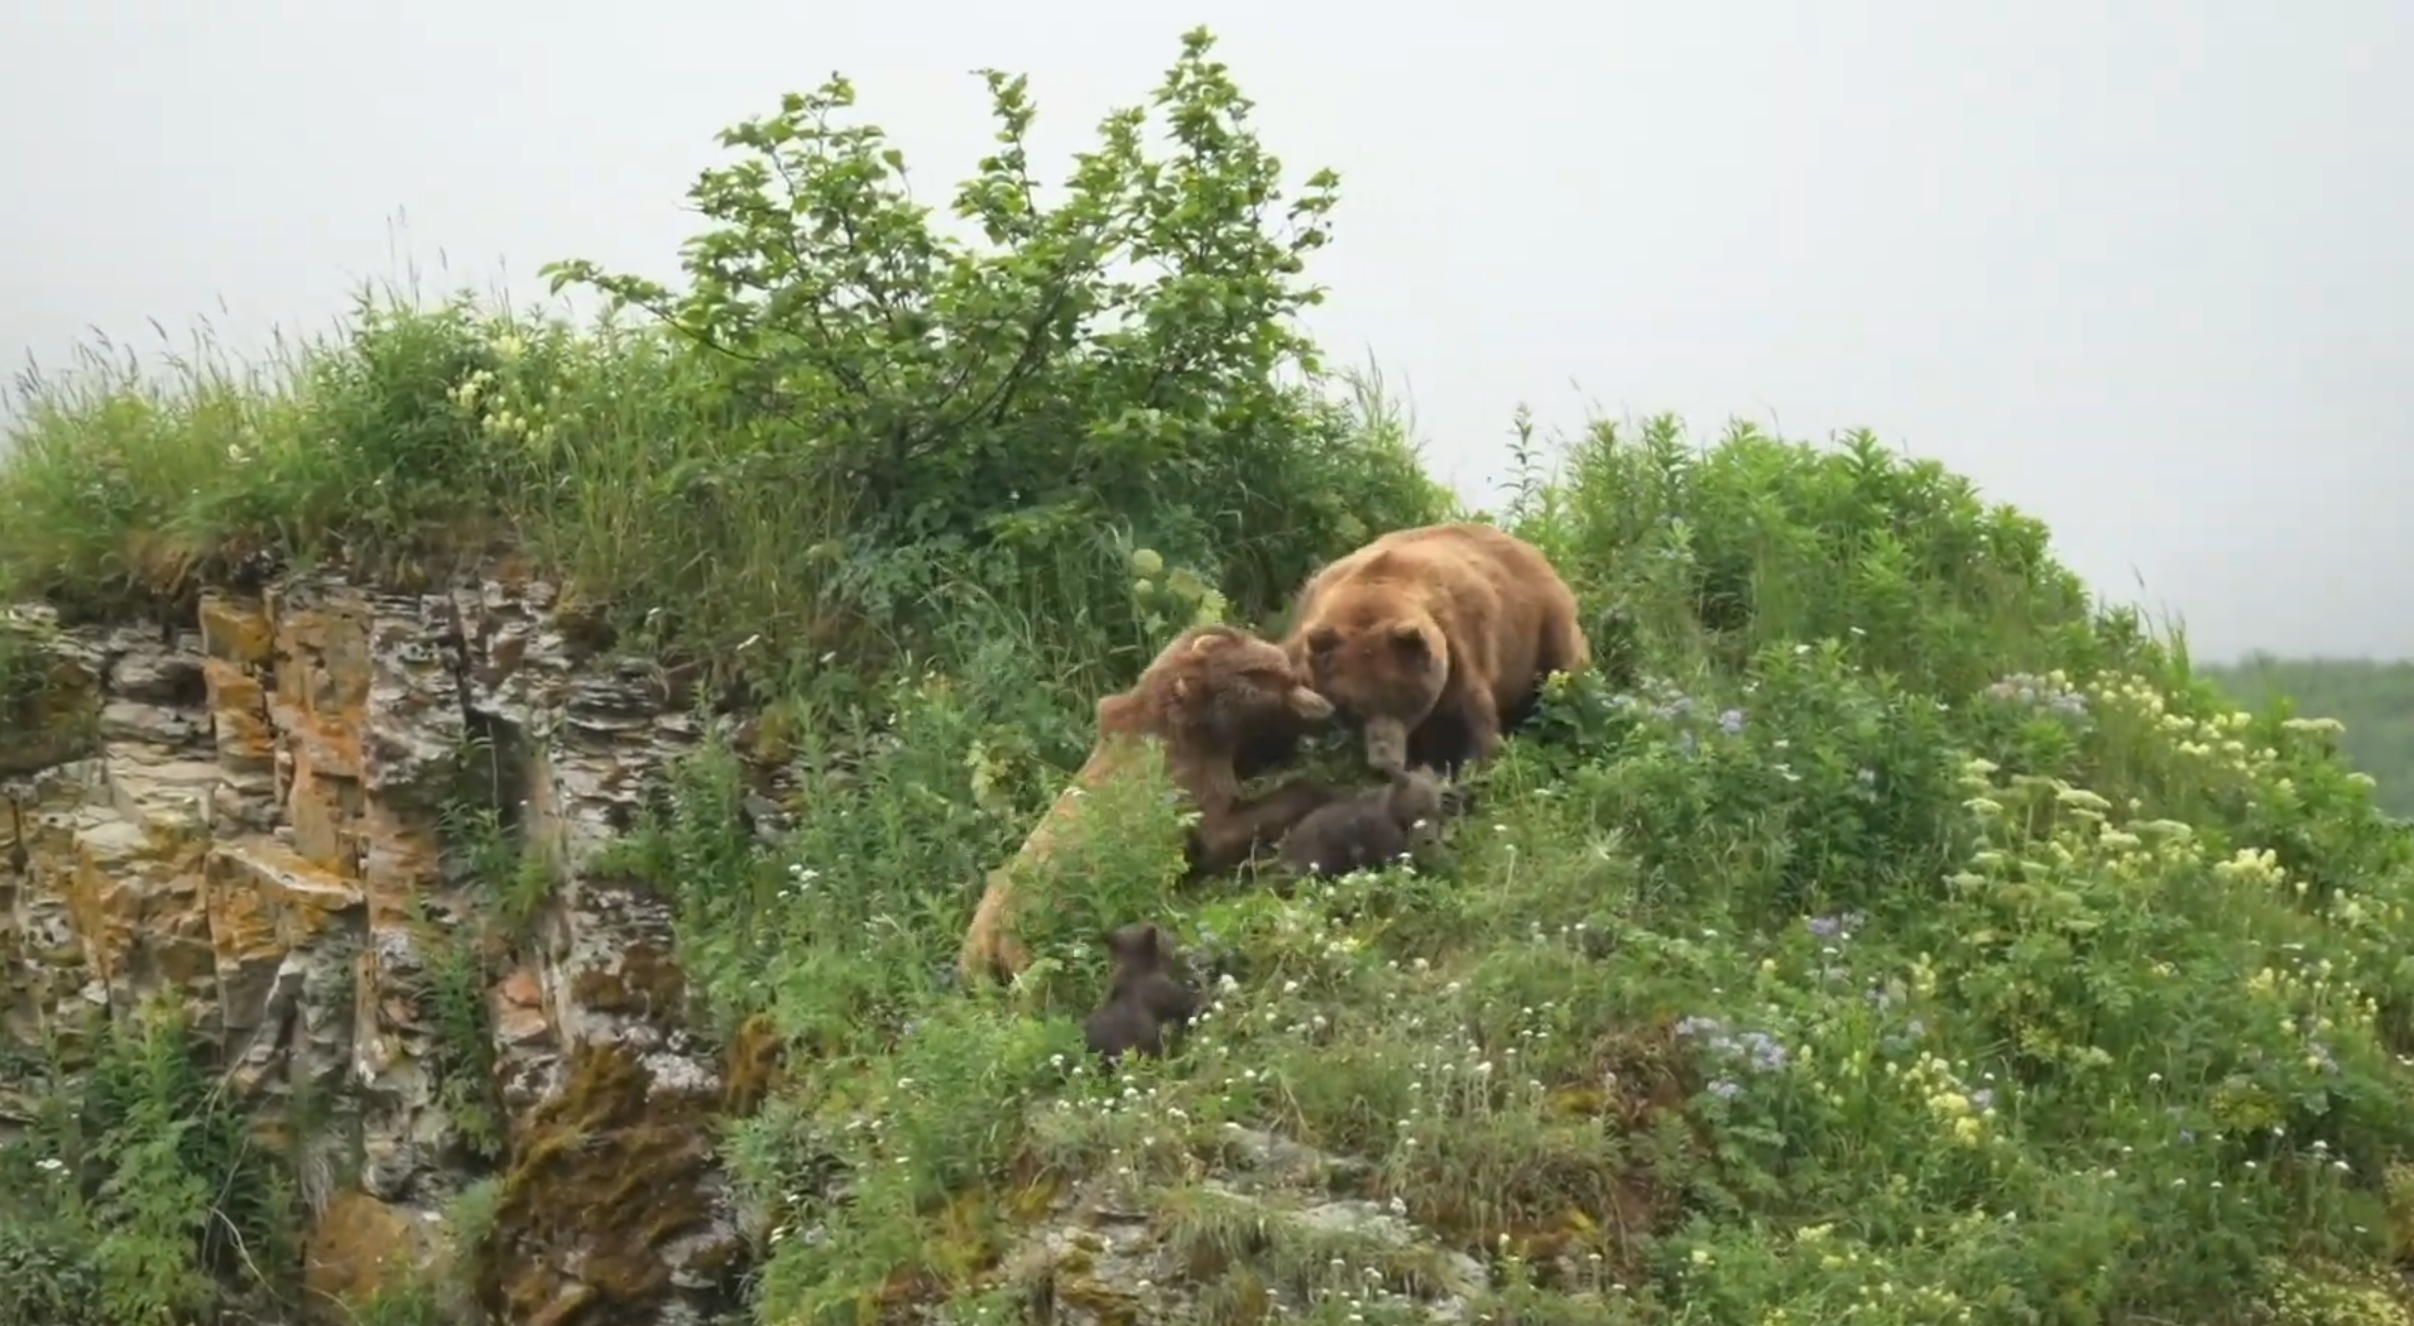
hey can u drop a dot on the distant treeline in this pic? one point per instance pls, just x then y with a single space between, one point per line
2374 699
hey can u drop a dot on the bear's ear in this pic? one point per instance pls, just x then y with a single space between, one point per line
1134 945
1408 638
1210 639
1324 639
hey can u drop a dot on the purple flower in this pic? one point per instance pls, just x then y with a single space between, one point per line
1731 722
1725 1089
1767 1054
1835 927
1761 1052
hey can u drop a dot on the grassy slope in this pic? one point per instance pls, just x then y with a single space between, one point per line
1896 937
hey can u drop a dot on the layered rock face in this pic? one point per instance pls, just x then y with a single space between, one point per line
243 817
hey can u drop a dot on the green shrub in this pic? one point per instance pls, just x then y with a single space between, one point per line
139 1195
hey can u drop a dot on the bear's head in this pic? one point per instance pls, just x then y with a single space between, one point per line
1416 797
1385 675
1217 688
1136 950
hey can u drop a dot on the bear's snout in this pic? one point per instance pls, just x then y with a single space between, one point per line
1309 705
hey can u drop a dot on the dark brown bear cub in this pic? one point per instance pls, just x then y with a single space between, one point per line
1146 1008
1370 828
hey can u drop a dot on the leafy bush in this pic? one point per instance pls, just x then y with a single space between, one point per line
139 1193
1882 931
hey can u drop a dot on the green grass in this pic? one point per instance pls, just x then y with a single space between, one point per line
1900 937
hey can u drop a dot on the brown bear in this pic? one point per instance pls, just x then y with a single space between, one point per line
1436 640
1370 828
1205 697
1147 1008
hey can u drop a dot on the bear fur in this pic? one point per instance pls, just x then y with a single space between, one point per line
1370 828
1147 1008
1436 640
1202 700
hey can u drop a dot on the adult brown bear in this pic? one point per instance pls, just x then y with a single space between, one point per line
1208 695
1436 640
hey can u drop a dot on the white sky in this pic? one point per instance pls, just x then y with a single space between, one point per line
2128 265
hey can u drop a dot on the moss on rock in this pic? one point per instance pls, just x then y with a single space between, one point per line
757 1057
604 1179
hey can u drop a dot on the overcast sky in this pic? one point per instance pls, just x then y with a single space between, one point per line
2138 267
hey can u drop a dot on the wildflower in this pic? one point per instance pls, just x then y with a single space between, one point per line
2081 797
1731 722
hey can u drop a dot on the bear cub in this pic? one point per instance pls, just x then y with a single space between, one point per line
1372 827
1147 1008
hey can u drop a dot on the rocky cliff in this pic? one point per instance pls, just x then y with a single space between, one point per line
247 816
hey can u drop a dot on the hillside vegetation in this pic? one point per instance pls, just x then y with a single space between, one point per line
1882 933
2375 699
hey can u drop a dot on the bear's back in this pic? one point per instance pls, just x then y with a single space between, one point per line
1472 578
1348 835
